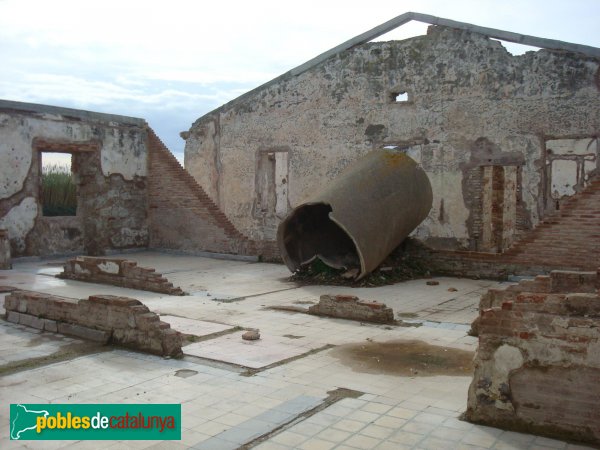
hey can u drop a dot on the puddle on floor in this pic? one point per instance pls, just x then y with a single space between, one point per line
186 373
404 358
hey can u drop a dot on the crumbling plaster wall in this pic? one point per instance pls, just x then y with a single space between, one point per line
537 365
470 103
109 163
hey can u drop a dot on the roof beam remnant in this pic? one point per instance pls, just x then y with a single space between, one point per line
400 20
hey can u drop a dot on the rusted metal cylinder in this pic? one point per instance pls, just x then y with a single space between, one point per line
360 217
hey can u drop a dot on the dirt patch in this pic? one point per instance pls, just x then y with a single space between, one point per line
405 358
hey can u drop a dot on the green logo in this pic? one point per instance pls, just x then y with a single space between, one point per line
95 422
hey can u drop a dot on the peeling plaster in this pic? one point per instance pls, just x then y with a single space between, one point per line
123 152
14 163
463 87
19 221
109 267
507 358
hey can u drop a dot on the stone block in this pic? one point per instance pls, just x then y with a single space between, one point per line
11 302
50 325
32 321
84 332
13 316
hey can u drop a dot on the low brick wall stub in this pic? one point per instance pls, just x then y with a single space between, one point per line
100 318
352 308
117 272
537 367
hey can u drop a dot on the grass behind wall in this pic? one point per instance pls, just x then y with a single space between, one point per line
59 193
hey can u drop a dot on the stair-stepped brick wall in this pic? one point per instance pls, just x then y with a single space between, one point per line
117 272
106 319
568 239
537 366
182 216
559 281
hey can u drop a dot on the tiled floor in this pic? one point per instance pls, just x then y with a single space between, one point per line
287 406
200 328
254 354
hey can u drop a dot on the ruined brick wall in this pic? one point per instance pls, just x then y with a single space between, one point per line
181 214
352 308
566 239
101 318
471 105
537 367
109 160
117 272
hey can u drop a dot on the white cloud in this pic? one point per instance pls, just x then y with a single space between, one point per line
174 61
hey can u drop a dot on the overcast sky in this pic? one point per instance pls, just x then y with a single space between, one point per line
170 62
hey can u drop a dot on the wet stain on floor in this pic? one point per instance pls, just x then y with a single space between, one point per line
186 373
405 358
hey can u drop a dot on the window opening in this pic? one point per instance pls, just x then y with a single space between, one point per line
58 192
399 97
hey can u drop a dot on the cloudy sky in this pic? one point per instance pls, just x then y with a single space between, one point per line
172 61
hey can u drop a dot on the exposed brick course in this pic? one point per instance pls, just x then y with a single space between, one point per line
183 217
538 362
100 318
117 272
568 239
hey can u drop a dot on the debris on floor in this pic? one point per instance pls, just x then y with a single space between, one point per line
351 307
251 335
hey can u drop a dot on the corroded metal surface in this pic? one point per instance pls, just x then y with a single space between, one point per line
360 217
